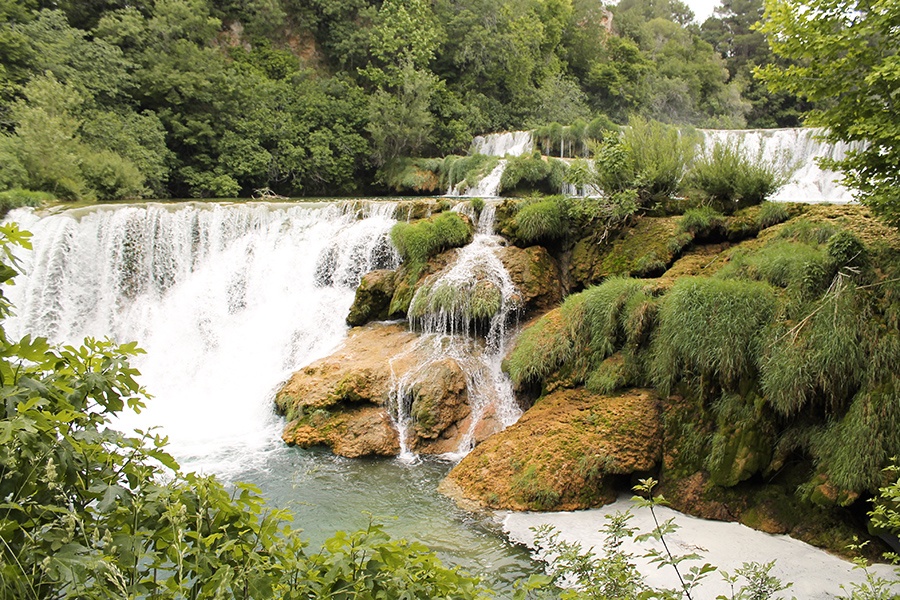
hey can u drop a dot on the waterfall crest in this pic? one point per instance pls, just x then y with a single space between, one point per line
227 300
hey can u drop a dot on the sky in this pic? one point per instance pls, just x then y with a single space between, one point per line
702 8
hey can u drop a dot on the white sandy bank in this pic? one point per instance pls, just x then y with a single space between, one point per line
814 573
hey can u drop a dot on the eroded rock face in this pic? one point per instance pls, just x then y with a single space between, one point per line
536 275
562 452
344 400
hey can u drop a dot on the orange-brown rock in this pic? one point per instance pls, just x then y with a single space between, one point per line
536 274
344 400
562 452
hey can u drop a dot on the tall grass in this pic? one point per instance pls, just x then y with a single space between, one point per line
703 222
587 329
542 221
803 269
819 359
712 328
417 242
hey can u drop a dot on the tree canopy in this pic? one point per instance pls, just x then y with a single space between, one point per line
845 59
193 98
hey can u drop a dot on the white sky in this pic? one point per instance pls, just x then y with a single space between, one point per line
702 8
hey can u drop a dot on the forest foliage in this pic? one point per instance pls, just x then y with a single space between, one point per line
190 98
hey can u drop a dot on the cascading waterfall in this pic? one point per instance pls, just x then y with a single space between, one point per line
796 150
227 300
512 143
488 187
474 295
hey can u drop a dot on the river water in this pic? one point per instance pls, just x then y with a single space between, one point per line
228 299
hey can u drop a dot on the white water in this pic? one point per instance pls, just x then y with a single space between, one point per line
227 300
449 333
512 143
487 187
797 150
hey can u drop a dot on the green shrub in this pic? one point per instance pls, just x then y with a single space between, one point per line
846 252
17 198
544 346
853 450
477 205
648 156
542 221
733 181
711 327
771 213
414 175
819 357
417 242
112 177
703 222
467 171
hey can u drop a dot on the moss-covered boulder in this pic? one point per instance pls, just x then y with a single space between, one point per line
439 406
536 275
564 453
373 298
644 250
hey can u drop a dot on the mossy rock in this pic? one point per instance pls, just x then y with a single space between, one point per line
643 250
564 453
373 298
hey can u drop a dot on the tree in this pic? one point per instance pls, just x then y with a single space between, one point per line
88 512
846 53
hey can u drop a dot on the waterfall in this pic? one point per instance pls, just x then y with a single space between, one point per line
488 187
512 143
795 150
446 309
226 299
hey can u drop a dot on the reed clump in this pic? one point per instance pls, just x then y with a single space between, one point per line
732 180
544 220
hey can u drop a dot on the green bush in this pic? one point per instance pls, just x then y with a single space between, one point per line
771 213
648 156
112 177
417 242
542 221
467 171
703 222
477 205
713 328
731 180
819 357
17 198
414 175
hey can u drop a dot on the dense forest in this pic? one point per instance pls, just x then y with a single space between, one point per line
106 99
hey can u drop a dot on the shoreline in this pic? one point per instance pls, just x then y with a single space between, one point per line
815 573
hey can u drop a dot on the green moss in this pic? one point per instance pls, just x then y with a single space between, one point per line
530 488
743 441
704 222
417 242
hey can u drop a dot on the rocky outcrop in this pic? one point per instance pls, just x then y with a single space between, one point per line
536 275
564 453
373 298
345 400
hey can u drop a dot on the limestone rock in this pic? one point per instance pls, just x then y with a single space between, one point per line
373 298
562 452
536 274
344 400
